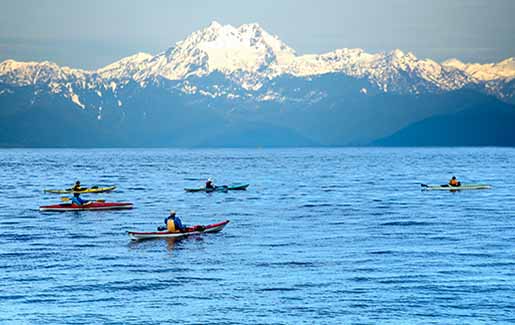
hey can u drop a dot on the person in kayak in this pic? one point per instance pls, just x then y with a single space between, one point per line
76 187
454 182
76 199
209 184
76 195
173 223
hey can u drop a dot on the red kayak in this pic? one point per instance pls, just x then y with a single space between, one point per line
193 230
86 207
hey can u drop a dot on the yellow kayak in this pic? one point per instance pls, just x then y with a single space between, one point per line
94 189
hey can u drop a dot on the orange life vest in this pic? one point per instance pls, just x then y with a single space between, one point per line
170 225
453 182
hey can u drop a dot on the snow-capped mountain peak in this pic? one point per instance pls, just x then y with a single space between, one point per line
224 48
30 73
485 72
249 57
126 67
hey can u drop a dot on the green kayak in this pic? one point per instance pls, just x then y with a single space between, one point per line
462 187
224 188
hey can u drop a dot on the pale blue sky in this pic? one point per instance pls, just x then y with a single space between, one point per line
92 33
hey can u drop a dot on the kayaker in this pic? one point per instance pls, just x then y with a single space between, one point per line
76 195
77 200
454 182
76 187
209 184
173 223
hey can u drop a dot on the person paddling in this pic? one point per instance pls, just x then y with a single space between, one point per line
454 182
209 184
76 187
77 200
76 195
173 223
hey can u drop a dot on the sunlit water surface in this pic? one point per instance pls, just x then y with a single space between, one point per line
320 236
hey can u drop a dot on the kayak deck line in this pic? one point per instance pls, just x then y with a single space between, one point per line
456 188
212 228
94 206
220 188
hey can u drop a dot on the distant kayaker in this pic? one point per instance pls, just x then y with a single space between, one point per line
454 182
173 223
209 184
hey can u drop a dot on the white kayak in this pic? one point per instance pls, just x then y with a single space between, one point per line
462 187
193 230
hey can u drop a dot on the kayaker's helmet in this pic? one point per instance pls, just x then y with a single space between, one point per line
454 177
77 183
172 213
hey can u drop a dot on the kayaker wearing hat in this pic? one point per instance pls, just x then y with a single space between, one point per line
76 195
454 182
173 223
209 184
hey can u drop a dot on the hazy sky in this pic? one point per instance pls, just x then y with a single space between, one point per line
93 33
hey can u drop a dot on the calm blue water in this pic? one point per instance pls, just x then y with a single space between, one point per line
321 236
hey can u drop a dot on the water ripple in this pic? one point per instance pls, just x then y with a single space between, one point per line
336 236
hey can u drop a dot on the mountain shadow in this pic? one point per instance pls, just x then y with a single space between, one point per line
485 125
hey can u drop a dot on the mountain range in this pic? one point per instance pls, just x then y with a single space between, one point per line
241 86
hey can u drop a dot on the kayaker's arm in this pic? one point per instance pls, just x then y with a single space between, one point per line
179 225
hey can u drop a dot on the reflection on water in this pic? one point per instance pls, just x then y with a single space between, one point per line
140 244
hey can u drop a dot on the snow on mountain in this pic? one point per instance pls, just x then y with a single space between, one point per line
248 51
383 69
249 58
485 72
126 67
30 73
48 77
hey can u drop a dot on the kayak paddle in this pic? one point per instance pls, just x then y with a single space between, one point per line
66 199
